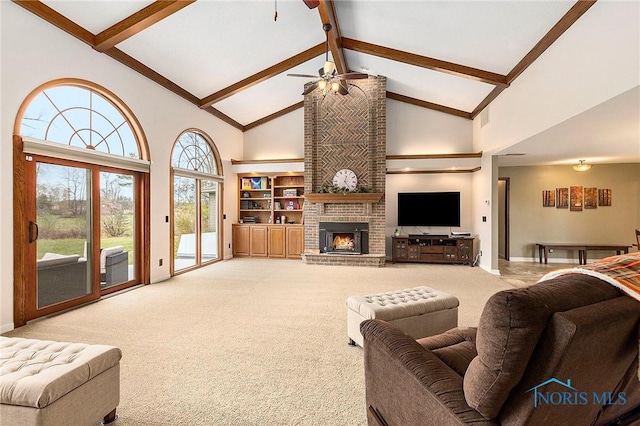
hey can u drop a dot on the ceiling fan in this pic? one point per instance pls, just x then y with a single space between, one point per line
328 78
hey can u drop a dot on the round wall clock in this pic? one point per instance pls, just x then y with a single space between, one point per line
345 178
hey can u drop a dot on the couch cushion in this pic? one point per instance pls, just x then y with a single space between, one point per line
35 373
54 259
455 347
510 327
108 252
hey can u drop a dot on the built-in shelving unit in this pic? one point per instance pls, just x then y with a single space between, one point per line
270 215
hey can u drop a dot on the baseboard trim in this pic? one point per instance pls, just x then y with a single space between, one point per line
6 327
489 270
160 279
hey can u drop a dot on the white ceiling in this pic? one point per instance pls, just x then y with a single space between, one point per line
607 133
209 45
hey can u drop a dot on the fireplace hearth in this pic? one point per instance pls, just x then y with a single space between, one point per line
344 237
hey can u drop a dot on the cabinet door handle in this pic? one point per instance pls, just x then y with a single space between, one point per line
33 226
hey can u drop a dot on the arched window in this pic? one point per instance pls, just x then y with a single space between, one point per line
197 202
83 184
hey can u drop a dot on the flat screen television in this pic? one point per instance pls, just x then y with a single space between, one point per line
429 209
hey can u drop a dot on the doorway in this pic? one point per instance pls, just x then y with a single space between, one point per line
503 218
82 240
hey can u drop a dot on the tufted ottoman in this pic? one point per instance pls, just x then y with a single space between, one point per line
419 312
56 383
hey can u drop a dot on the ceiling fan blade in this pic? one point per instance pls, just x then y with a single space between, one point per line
353 76
311 4
310 89
343 88
302 75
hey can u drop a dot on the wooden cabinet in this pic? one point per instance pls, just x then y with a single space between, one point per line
241 240
399 248
268 240
258 241
432 249
276 241
295 241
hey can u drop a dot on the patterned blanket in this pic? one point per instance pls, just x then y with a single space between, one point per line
621 271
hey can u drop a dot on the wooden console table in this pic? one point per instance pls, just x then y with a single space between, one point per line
543 249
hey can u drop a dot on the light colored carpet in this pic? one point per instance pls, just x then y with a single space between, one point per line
249 341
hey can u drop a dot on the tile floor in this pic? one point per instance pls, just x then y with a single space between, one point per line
522 274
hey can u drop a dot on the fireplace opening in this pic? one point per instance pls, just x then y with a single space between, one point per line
344 237
343 241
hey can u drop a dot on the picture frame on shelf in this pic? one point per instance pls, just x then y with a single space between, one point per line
291 205
256 183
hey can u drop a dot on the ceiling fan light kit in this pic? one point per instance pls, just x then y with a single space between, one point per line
328 79
582 166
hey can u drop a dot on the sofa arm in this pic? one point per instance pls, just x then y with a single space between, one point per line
406 384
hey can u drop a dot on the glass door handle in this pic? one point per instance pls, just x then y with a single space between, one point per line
33 226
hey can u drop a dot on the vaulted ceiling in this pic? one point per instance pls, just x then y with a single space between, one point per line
231 58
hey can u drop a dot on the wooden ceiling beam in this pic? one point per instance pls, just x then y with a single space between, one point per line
224 117
263 75
569 18
429 105
275 115
54 18
425 62
486 101
58 20
137 22
152 75
328 15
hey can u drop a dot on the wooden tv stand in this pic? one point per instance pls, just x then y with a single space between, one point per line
432 249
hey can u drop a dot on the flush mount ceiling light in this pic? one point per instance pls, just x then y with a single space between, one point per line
581 166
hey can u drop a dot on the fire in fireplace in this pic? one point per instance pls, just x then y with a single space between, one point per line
344 237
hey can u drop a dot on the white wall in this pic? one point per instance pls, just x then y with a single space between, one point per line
34 52
597 59
416 130
410 130
456 182
282 138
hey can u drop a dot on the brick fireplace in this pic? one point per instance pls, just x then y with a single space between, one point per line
346 132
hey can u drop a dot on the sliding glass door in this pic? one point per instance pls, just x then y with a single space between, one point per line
118 229
82 232
61 233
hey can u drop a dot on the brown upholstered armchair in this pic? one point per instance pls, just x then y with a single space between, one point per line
561 352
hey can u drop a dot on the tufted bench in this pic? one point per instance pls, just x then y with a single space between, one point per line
57 383
419 312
